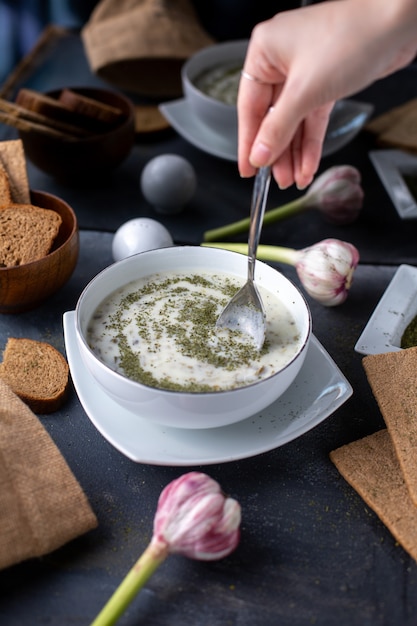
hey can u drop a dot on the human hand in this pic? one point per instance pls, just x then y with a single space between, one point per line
303 61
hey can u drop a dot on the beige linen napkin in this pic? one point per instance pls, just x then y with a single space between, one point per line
397 128
42 506
140 45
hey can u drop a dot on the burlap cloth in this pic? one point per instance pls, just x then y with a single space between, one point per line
397 128
42 506
140 45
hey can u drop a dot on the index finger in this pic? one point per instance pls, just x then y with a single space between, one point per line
254 100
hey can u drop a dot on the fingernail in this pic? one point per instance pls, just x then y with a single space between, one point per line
260 155
304 184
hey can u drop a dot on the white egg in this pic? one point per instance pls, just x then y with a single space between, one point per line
168 182
138 235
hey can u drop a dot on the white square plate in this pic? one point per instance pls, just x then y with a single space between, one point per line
318 391
392 315
392 166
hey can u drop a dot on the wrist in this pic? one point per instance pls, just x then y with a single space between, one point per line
395 23
390 32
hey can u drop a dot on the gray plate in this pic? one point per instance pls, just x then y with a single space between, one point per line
346 120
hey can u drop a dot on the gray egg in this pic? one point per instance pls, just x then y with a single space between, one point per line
168 182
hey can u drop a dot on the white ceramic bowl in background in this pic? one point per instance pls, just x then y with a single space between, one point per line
218 116
185 409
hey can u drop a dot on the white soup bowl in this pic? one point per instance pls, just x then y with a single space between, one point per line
182 409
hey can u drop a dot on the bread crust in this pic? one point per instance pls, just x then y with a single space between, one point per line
5 193
36 372
70 112
13 160
98 112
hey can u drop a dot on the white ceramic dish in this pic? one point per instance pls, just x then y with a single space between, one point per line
391 166
394 311
318 391
348 117
182 408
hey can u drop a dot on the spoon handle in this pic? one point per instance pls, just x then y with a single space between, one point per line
260 193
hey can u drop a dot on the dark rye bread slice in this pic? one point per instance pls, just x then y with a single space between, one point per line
13 160
36 372
27 233
371 467
393 379
50 107
35 120
71 109
5 194
101 114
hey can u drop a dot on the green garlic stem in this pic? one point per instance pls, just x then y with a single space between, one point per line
133 582
275 254
273 215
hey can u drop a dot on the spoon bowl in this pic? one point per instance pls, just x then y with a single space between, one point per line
245 311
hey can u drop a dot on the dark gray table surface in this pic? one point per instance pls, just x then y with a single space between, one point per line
311 551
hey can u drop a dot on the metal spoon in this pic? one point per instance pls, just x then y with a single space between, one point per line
245 311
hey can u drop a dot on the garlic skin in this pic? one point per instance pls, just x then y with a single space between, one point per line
338 194
326 270
194 518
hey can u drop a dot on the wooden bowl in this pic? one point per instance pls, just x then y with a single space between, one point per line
87 159
24 287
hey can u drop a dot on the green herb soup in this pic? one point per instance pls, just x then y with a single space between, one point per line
409 337
220 82
161 331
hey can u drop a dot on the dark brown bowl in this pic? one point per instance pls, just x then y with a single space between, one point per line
87 159
24 287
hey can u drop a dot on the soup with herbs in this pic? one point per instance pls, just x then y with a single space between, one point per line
161 331
220 82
